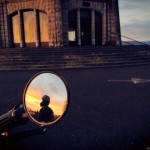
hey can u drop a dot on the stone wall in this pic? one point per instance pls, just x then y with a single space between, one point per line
58 22
75 4
110 17
51 7
65 7
57 13
20 5
4 33
1 26
117 22
113 23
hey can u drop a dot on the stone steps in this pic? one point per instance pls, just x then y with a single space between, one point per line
87 60
70 57
75 57
71 54
55 67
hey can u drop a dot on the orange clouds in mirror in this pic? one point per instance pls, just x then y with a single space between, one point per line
46 98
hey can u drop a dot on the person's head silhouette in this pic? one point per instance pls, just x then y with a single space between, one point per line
45 101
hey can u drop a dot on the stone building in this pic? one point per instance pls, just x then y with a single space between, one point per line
37 23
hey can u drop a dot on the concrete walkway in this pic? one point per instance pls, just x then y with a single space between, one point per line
102 115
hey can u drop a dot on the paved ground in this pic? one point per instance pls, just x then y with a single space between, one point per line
102 115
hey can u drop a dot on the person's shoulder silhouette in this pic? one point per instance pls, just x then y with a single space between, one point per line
46 113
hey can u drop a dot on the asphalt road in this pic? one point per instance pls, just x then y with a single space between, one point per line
101 115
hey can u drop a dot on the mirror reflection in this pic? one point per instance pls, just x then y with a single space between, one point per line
46 98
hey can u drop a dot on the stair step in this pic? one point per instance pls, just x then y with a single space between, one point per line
73 57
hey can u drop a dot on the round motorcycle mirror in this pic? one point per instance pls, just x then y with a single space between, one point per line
45 98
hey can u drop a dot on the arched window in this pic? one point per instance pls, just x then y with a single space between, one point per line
29 28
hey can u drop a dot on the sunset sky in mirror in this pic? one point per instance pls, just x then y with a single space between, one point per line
47 84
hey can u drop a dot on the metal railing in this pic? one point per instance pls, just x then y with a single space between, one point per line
128 42
133 43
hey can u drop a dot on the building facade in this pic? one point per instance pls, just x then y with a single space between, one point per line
46 23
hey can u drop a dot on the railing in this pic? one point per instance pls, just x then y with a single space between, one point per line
128 42
133 43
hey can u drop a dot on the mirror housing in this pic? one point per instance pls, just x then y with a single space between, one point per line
46 98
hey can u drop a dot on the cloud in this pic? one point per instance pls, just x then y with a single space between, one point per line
135 18
134 4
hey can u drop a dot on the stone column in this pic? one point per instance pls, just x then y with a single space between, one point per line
37 27
50 9
108 22
113 30
22 41
3 24
58 23
64 4
78 28
104 25
93 26
116 21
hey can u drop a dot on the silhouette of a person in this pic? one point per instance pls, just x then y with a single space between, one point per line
46 113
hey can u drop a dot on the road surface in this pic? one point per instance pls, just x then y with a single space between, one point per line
102 114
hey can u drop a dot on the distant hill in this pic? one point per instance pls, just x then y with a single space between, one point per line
147 42
135 43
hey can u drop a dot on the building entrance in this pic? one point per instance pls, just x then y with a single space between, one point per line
85 27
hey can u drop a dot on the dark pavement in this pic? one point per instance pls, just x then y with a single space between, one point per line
102 115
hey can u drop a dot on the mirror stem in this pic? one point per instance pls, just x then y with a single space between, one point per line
13 118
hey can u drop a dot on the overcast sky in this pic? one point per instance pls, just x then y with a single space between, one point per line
135 19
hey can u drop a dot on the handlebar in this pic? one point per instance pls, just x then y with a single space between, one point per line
13 118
